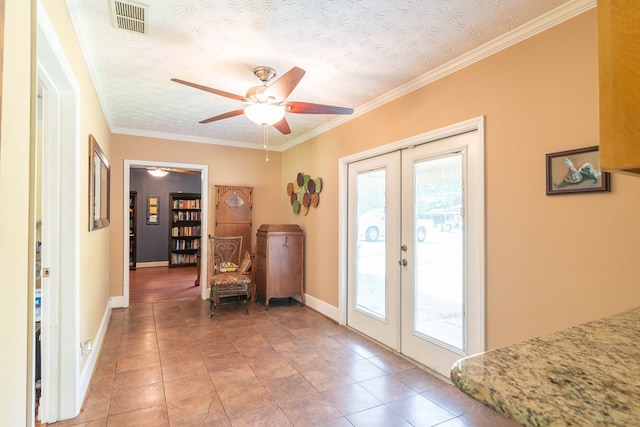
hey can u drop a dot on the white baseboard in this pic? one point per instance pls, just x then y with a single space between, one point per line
117 302
152 264
92 358
318 305
322 307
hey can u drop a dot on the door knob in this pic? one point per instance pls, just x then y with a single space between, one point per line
403 248
403 262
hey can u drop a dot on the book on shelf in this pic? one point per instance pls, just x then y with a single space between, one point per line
187 231
181 244
186 216
183 259
186 204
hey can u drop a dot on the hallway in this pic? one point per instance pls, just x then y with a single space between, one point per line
168 364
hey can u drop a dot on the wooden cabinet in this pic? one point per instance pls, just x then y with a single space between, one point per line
279 262
234 211
184 241
619 74
133 222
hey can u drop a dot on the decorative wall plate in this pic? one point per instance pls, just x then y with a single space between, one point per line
304 193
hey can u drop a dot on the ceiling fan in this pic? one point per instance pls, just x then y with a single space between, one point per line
266 105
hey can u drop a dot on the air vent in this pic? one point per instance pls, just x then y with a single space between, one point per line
129 16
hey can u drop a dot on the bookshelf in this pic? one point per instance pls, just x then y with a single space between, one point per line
133 223
185 231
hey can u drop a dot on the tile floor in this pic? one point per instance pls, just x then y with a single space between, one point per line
169 364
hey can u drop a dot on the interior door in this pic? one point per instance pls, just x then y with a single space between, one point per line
415 282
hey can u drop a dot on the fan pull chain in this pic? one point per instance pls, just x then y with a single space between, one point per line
265 144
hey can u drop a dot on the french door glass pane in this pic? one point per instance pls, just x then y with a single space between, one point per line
438 292
370 247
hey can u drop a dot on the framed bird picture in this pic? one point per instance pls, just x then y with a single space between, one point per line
576 171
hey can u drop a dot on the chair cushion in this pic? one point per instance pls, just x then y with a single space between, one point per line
230 279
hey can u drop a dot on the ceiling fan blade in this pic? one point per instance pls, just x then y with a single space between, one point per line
283 126
310 108
223 116
210 89
283 87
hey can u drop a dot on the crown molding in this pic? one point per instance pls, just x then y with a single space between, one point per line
517 35
555 17
525 31
191 138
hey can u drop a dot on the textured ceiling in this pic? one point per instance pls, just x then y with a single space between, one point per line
356 54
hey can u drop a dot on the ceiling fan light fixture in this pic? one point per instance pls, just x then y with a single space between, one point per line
264 114
158 173
259 95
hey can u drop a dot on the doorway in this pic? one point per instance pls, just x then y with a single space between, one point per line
204 198
63 385
152 251
415 228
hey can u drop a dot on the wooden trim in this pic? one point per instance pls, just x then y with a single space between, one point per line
222 189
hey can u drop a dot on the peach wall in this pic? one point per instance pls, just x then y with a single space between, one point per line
14 217
227 166
552 262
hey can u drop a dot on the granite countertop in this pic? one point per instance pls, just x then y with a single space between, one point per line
585 375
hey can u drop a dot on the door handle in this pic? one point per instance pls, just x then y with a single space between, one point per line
403 262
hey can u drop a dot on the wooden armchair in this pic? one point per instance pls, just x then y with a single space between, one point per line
228 280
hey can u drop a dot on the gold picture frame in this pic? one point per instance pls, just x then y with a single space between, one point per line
99 187
152 210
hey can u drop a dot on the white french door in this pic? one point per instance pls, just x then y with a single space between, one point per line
373 291
416 228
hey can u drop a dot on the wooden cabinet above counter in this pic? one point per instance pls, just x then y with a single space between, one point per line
619 75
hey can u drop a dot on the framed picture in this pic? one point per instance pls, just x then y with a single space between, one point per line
152 210
99 183
575 171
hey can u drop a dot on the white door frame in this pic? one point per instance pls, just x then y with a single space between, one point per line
204 204
476 123
62 392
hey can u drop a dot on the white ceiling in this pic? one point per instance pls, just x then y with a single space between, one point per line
356 53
